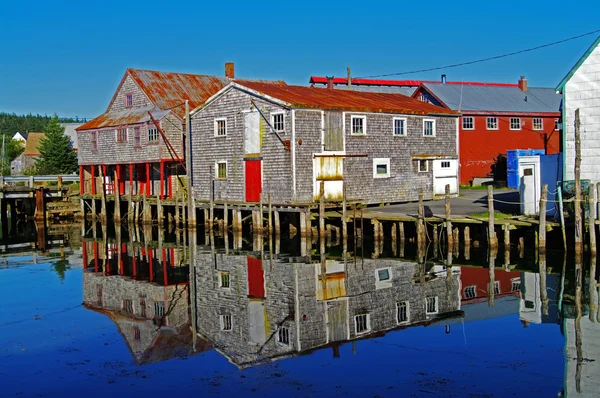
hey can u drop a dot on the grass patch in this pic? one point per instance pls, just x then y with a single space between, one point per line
486 214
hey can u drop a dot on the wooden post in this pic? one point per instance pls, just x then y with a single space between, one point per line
130 207
448 222
467 234
521 247
302 222
491 233
492 283
322 211
146 213
455 236
102 195
270 229
393 237
543 288
562 217
435 239
277 227
592 220
420 222
60 183
117 215
577 205
344 221
225 218
542 226
506 246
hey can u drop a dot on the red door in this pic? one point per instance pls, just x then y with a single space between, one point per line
256 278
253 180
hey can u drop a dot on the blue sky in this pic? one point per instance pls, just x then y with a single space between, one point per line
69 56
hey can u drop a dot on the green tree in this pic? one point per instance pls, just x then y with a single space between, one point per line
56 154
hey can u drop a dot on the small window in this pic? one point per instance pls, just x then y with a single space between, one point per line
470 292
423 165
159 309
516 284
283 336
220 127
384 274
496 288
362 323
515 123
122 134
529 304
359 125
152 134
224 280
492 123
128 306
400 126
446 164
225 322
221 170
278 122
557 125
129 100
94 141
137 137
432 305
468 123
99 292
429 128
381 168
402 312
137 335
538 123
143 307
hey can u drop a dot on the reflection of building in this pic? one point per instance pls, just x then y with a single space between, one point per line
144 291
581 373
530 309
254 311
475 293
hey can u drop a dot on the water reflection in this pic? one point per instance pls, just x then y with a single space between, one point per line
258 300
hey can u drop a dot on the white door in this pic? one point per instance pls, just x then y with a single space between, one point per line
445 172
529 174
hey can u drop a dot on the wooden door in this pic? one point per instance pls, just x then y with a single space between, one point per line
256 278
253 180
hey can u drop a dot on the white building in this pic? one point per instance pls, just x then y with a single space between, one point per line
580 89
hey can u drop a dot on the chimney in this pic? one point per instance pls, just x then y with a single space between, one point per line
523 84
349 79
329 82
229 70
444 79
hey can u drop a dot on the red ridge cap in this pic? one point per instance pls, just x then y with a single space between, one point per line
411 83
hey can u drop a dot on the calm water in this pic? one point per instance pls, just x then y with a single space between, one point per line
145 311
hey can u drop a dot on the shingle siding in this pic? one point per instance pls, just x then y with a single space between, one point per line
129 86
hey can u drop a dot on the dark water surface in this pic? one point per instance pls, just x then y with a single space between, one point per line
138 313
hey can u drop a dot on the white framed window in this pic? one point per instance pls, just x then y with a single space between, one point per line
94 141
402 312
152 134
128 100
516 284
221 127
159 309
283 336
400 126
431 305
221 170
470 292
362 323
226 322
515 123
358 125
383 278
445 164
122 134
128 306
381 168
496 288
557 125
423 165
278 121
538 123
491 123
468 123
137 137
224 280
429 127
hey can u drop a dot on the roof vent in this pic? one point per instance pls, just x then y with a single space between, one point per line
444 78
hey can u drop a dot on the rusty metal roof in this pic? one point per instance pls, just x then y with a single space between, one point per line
330 99
170 90
124 117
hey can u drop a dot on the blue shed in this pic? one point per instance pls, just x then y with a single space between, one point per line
512 165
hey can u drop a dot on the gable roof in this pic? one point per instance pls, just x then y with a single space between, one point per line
124 117
31 146
581 60
495 98
343 100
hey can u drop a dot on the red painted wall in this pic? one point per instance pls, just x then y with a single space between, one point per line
480 278
479 147
256 278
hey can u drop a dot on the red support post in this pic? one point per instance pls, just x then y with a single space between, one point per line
95 245
81 180
93 171
162 180
134 262
121 181
148 190
102 183
150 265
131 178
170 181
84 252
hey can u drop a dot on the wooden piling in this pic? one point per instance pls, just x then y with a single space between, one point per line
577 204
506 246
322 211
449 236
592 219
493 243
492 282
393 238
543 288
435 238
270 218
521 247
542 226
225 218
302 224
344 220
420 221
277 225
102 196
211 216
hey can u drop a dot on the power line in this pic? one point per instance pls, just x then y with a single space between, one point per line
485 59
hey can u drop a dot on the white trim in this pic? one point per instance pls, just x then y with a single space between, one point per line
217 163
364 126
368 324
222 323
385 283
433 127
419 165
398 322
487 119
437 305
472 122
520 123
404 127
216 129
541 119
274 113
379 162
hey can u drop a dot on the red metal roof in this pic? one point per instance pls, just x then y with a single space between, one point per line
357 101
122 118
409 83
